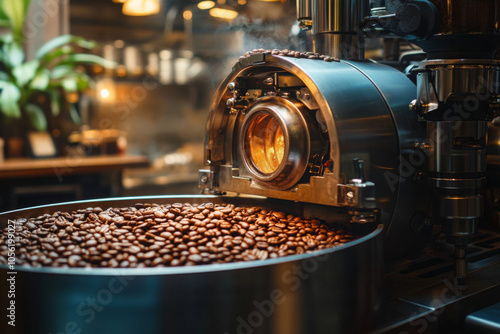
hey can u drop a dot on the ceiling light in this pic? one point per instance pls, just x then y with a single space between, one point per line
119 43
206 5
187 15
223 13
141 7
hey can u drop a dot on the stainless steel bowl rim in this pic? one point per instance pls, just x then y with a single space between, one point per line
174 270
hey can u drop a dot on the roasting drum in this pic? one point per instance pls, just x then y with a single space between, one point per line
330 113
333 291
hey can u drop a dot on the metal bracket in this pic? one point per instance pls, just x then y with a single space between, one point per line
205 180
359 193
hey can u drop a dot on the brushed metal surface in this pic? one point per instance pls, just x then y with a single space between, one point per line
335 26
329 291
364 107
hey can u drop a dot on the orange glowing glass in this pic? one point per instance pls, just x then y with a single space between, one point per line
265 143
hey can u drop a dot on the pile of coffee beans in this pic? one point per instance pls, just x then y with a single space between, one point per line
152 235
290 53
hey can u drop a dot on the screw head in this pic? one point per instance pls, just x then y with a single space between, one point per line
349 195
415 106
203 178
231 86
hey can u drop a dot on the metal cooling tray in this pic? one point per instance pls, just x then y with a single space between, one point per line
331 290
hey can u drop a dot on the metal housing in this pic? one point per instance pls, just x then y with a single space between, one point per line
362 112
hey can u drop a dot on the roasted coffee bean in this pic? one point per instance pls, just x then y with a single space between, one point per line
91 242
149 255
150 235
321 237
73 260
195 258
262 244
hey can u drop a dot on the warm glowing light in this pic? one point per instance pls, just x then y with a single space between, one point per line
104 93
106 90
141 7
206 5
242 2
223 13
119 1
72 97
121 71
119 43
265 143
187 15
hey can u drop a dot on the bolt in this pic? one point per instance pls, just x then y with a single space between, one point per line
231 86
415 106
203 178
350 196
230 102
268 81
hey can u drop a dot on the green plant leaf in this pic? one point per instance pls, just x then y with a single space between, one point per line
41 80
7 38
3 15
15 11
9 100
83 81
25 72
13 53
61 71
60 52
69 84
55 101
36 116
61 41
83 58
73 113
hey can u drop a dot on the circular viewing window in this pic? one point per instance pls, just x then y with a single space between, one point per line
265 143
275 143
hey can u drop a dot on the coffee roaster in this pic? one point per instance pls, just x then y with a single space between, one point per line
327 134
331 128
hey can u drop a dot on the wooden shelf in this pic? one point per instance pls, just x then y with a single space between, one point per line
61 166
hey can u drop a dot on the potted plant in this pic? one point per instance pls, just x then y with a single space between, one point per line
55 73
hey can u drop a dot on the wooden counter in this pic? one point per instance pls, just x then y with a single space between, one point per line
62 166
28 182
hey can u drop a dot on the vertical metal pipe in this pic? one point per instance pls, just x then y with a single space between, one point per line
304 10
335 27
304 13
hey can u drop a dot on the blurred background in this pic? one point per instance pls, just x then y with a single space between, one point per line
141 126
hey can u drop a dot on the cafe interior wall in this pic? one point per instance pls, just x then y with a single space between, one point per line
159 114
170 65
